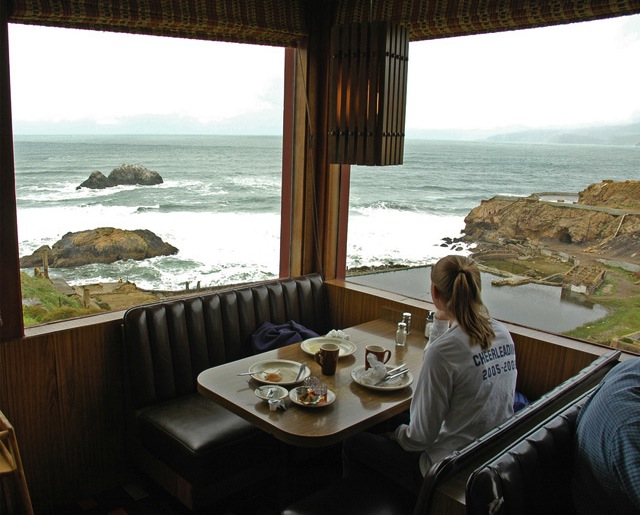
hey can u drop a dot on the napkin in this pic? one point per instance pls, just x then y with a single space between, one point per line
337 333
376 371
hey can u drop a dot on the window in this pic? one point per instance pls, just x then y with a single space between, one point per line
206 117
510 114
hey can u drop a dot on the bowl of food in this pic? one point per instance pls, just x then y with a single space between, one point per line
268 392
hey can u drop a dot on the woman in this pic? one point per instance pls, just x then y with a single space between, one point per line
465 388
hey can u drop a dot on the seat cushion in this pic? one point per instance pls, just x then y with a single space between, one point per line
202 440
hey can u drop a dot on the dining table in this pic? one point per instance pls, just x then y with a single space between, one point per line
355 407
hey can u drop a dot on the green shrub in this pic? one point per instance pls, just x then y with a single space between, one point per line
49 304
66 312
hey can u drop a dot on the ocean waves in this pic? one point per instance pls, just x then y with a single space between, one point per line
220 204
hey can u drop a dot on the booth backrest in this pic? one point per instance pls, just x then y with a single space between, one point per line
534 475
167 344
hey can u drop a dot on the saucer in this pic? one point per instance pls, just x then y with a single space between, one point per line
312 345
394 384
295 396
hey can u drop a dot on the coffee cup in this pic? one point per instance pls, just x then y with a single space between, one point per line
383 355
327 358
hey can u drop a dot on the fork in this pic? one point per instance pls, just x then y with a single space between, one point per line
392 376
392 371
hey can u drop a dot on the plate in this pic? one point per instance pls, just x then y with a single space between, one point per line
396 384
294 395
312 345
288 370
263 392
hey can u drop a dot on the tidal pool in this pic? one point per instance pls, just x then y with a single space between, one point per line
548 308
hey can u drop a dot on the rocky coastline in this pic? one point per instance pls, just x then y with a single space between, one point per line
554 238
589 245
600 228
603 222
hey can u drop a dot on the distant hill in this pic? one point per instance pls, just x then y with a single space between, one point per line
600 135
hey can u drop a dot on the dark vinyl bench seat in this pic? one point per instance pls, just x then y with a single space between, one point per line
532 476
194 448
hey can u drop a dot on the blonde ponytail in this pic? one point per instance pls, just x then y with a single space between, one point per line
457 278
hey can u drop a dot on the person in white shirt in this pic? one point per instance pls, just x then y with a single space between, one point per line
466 385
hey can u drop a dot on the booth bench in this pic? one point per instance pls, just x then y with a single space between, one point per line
195 449
533 475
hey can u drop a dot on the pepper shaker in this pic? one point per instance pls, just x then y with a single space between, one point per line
406 318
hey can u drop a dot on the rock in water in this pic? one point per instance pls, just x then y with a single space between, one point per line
134 174
96 181
123 175
102 245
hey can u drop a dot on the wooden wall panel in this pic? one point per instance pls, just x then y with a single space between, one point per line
352 304
29 399
63 393
90 383
545 360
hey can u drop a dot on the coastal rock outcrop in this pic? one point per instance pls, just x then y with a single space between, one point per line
605 219
621 195
126 174
102 245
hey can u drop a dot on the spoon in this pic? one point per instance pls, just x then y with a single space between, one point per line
302 367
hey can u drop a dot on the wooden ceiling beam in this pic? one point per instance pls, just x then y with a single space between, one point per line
284 22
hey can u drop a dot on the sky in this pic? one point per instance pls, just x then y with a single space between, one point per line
75 81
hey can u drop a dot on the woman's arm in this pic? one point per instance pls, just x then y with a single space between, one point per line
429 405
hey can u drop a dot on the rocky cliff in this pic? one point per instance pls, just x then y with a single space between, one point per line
102 245
621 195
606 219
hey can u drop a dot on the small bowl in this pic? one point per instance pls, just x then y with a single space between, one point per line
278 392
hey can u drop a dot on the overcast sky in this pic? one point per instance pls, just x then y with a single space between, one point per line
84 81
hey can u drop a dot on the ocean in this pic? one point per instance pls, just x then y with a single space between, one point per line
401 214
220 200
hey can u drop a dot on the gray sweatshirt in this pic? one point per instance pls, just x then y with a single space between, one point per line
461 393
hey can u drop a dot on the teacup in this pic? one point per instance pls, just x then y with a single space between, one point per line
383 355
327 358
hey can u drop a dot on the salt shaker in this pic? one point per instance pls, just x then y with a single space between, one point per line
406 318
401 334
